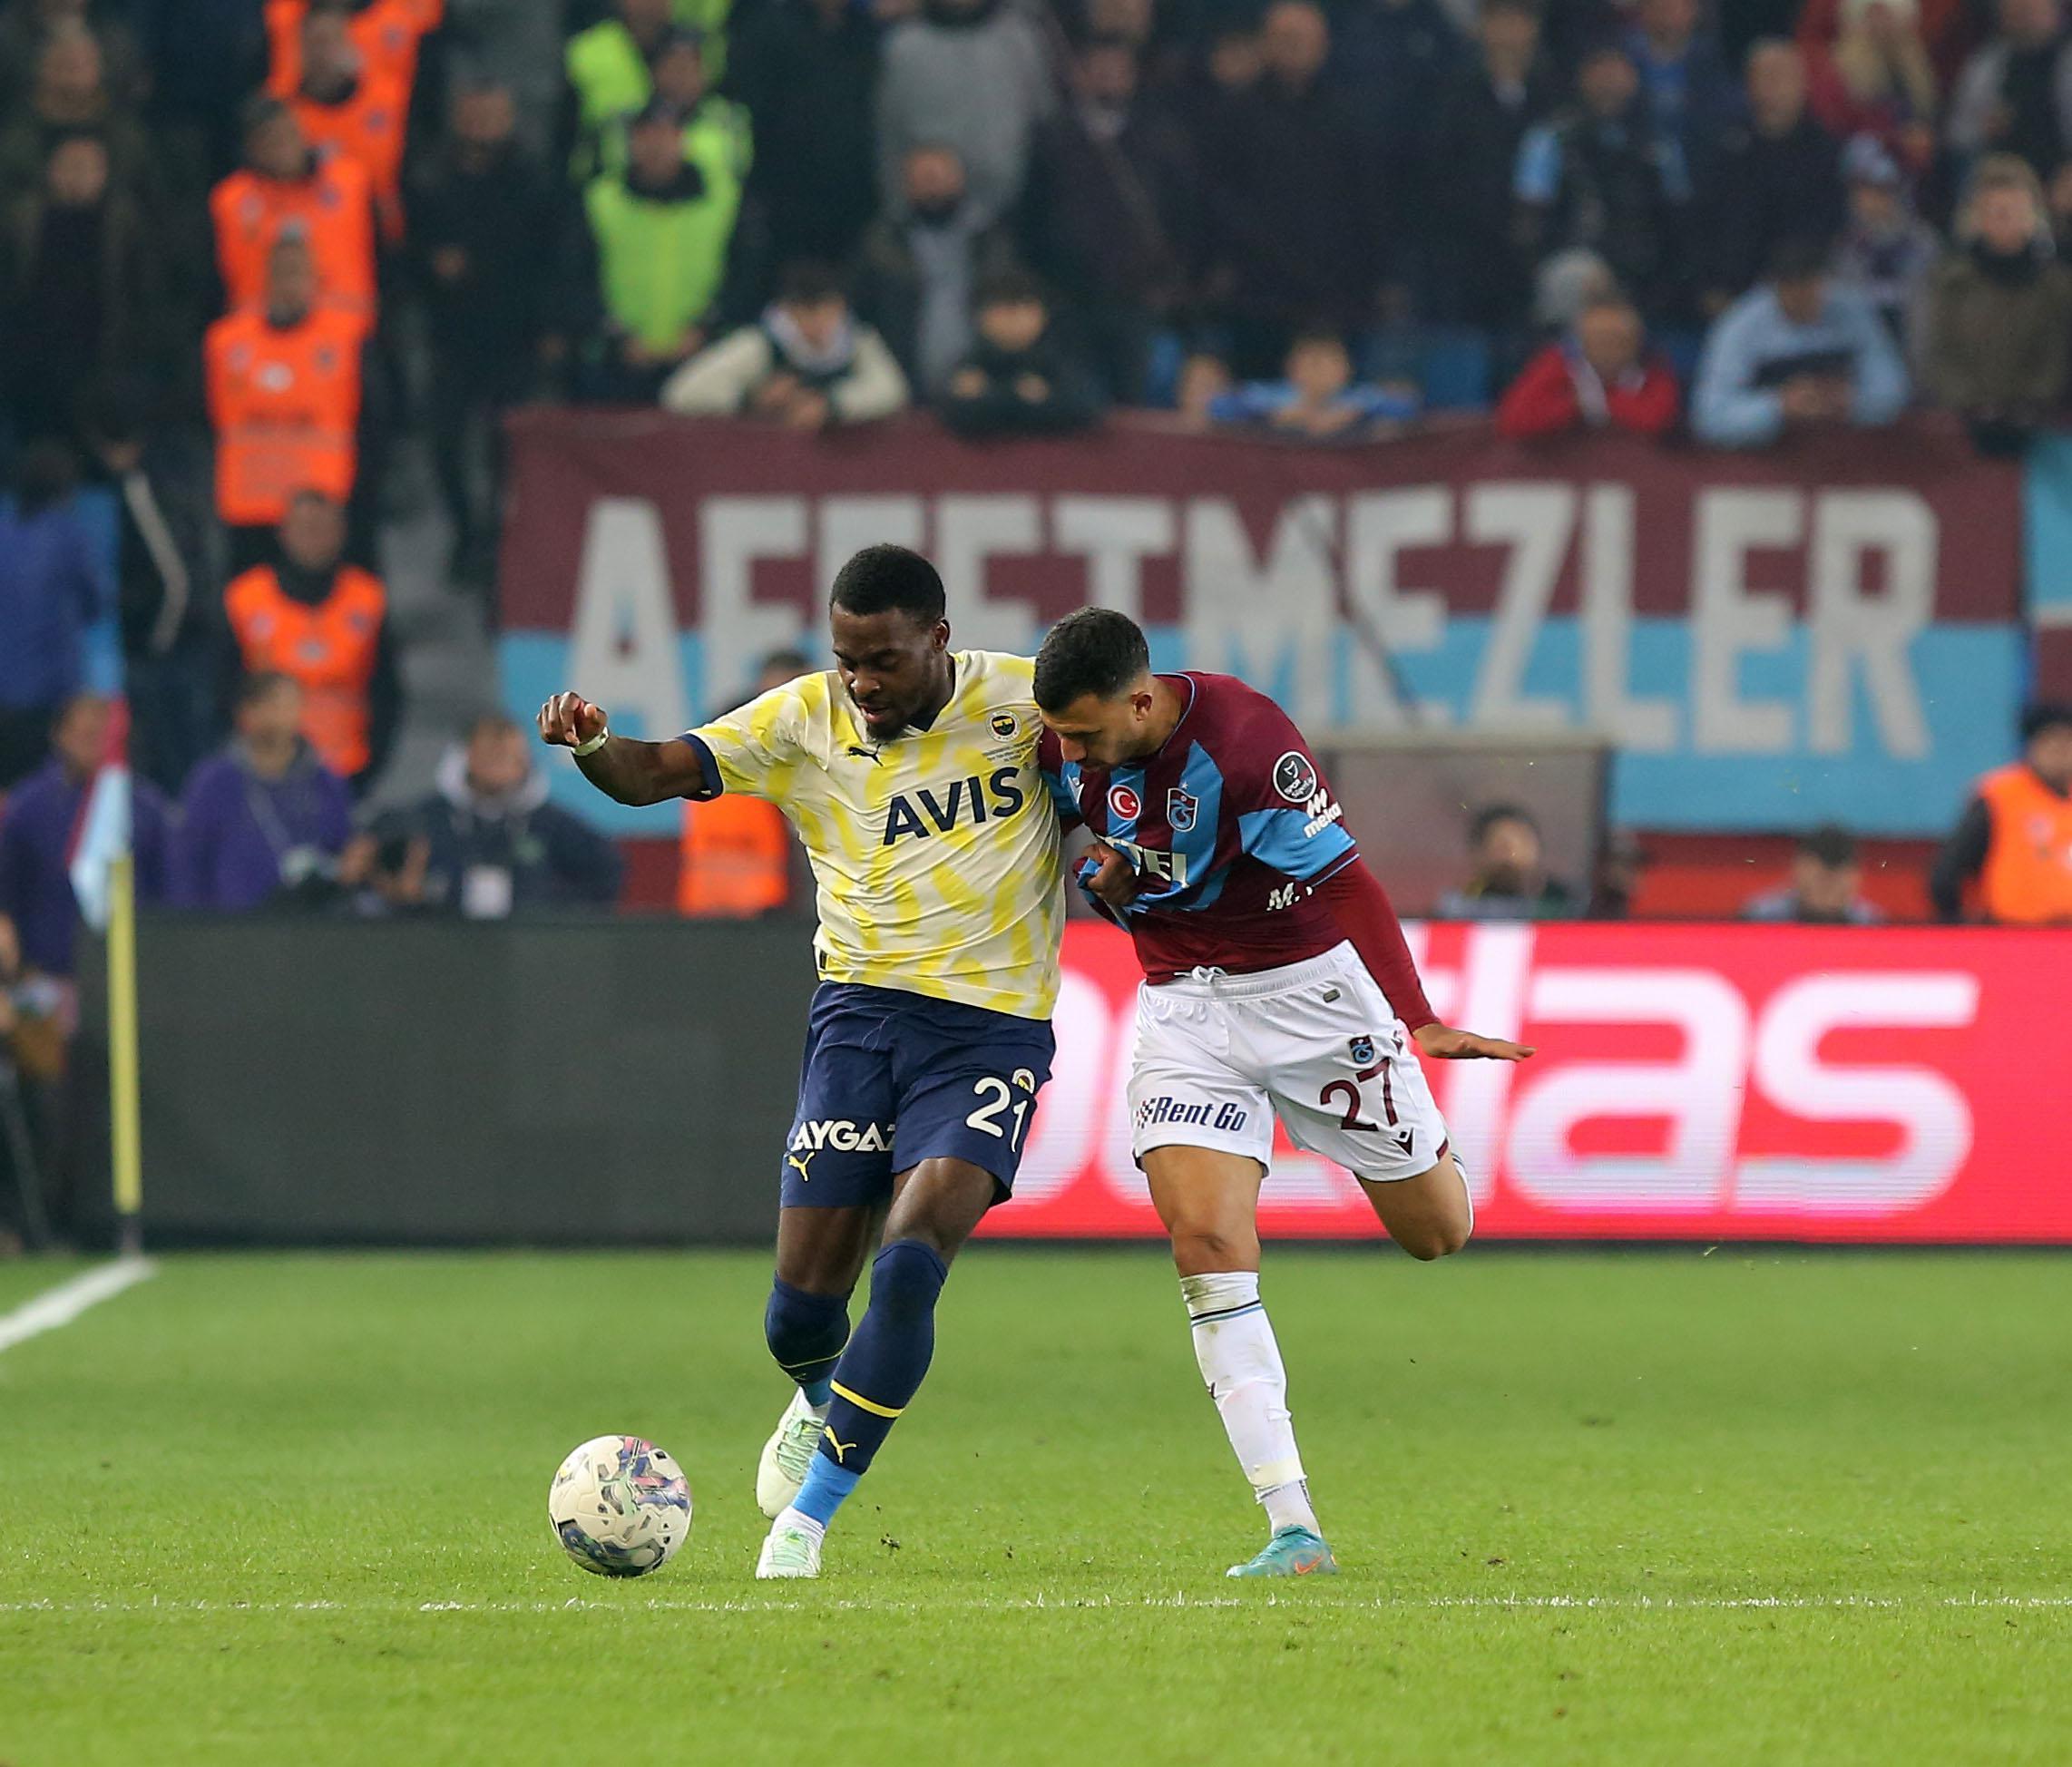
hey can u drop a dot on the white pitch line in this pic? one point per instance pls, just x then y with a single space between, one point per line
1041 1603
63 1305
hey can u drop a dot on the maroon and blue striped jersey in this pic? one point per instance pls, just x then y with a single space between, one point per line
1230 825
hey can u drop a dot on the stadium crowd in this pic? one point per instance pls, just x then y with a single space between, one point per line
247 245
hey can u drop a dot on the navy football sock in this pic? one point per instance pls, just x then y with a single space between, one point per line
881 1368
806 1334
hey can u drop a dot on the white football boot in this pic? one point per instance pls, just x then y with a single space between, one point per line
790 1550
786 1455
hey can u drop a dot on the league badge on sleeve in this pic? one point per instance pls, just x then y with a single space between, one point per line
1180 808
1295 778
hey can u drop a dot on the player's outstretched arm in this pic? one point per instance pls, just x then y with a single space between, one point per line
1366 917
632 772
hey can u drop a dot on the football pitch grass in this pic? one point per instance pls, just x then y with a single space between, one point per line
1649 1508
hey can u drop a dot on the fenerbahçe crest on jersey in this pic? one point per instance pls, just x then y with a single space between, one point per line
935 852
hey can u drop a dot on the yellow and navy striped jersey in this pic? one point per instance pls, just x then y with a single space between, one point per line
935 852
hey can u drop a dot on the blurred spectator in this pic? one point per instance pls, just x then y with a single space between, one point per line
1825 887
1204 377
923 259
736 853
1686 81
171 641
660 229
27 25
608 72
969 75
487 844
2015 838
1999 310
1946 27
1875 79
81 286
1317 401
716 132
1510 881
284 396
325 624
385 35
1114 211
1886 251
1798 350
1018 379
349 106
286 189
807 363
1779 178
69 93
484 214
55 600
807 71
1615 877
1602 375
2015 94
1479 119
1388 59
38 912
1293 201
1568 282
264 823
1599 178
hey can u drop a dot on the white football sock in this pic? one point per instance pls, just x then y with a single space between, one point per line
798 1518
1233 1347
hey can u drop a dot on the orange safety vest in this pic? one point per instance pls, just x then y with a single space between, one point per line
330 648
285 401
366 128
2027 874
332 209
737 859
386 34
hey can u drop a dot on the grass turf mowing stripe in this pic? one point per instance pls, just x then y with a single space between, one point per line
61 1305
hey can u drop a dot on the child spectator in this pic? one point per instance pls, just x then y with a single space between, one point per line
1886 251
1825 884
1018 379
807 363
1601 375
1317 401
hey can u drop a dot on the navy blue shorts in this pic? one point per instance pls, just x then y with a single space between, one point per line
890 1079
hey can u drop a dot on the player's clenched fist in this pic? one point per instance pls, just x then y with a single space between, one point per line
568 719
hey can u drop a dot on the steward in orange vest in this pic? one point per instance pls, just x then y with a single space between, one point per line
736 859
2016 835
325 624
287 189
284 396
386 34
352 110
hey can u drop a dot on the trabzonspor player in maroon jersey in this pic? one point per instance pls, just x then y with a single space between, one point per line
1277 982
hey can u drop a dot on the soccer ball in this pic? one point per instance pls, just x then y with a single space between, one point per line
619 1506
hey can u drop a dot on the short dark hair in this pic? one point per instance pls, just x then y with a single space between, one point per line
1833 844
1008 288
796 661
1490 814
2045 715
808 284
261 682
882 579
1800 259
1096 650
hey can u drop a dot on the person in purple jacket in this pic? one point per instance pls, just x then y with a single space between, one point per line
38 912
263 823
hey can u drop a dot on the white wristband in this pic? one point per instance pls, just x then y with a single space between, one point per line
592 745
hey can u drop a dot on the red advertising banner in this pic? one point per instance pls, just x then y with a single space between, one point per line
1717 1082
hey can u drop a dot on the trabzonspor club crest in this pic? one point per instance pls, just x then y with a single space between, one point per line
1180 808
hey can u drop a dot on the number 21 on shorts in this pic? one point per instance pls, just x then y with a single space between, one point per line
999 1099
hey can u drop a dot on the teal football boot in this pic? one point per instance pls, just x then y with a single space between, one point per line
1292 1552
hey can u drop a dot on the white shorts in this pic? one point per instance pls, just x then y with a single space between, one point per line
1315 1043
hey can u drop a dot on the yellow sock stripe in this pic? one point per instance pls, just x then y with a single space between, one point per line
870 1405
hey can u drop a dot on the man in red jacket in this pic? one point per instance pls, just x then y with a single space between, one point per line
1601 375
